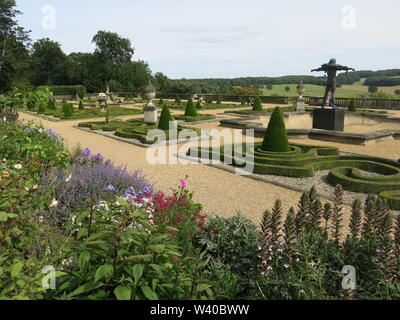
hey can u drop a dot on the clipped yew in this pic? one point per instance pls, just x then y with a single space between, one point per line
81 106
165 118
276 139
257 106
190 109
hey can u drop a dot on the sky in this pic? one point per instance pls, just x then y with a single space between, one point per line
227 39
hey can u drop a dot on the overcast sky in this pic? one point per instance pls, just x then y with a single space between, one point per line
221 38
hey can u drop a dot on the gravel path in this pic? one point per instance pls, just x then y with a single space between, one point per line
221 193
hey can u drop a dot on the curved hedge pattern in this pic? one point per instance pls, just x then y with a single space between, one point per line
361 174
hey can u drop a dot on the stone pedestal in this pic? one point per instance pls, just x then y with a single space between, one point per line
300 105
328 119
150 114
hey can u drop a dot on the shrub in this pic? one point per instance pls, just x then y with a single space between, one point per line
165 118
198 105
81 106
190 109
276 139
87 181
68 110
233 242
218 100
352 106
51 104
67 90
161 102
41 109
257 106
178 100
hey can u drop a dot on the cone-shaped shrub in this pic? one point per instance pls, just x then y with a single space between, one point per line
69 111
276 139
218 100
198 105
64 106
190 109
257 105
178 100
165 118
81 106
352 106
51 104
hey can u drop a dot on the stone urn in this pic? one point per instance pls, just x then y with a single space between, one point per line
301 89
102 98
150 110
300 100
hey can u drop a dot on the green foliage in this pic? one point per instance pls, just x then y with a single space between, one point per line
233 242
81 106
257 106
165 118
51 105
199 117
198 105
352 105
276 139
68 110
68 90
178 100
218 100
190 109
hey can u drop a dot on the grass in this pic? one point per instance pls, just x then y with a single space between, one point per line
214 106
91 112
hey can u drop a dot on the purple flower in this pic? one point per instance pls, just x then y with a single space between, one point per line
51 132
98 157
86 153
183 183
110 187
130 191
27 129
146 190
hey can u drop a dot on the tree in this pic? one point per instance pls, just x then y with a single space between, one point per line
111 52
162 83
51 104
269 87
14 55
165 118
373 89
81 106
190 109
287 88
48 63
276 139
257 106
397 92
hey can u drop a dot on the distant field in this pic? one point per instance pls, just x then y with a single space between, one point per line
355 90
312 90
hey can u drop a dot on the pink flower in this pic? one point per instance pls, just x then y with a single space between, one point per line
183 183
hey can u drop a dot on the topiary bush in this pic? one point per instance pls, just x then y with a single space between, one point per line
198 105
81 106
51 104
68 110
257 106
165 118
276 139
178 100
190 109
352 106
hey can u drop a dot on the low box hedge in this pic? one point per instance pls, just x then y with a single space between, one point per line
200 117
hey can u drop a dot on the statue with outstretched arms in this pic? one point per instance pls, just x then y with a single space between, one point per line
331 70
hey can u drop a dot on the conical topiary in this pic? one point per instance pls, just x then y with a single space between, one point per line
165 118
81 106
64 106
276 139
190 109
69 111
178 100
51 104
257 106
352 106
198 105
41 109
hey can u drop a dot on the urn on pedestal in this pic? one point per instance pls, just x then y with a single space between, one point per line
102 98
150 110
300 100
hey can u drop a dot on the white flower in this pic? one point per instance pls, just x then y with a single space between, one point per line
69 178
286 266
35 187
54 203
4 119
269 268
40 130
26 189
4 160
18 166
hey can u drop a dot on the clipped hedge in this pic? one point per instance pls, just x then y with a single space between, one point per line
67 90
392 198
199 117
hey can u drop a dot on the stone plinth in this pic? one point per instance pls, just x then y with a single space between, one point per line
150 114
328 119
300 105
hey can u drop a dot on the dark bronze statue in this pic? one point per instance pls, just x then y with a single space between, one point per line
331 69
